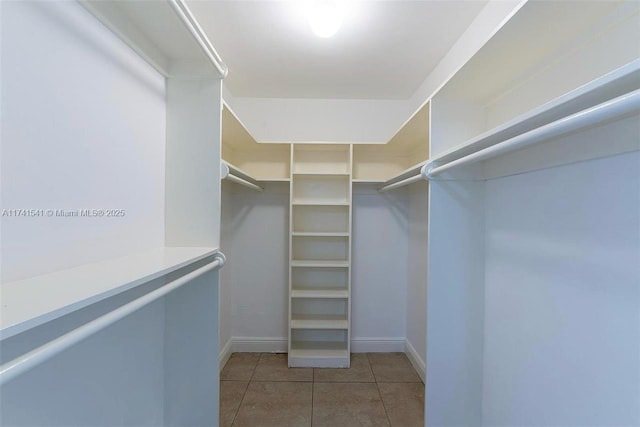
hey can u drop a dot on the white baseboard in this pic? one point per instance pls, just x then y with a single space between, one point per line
415 360
377 345
225 353
260 344
279 345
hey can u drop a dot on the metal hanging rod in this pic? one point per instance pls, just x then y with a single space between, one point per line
405 178
232 173
198 34
402 183
35 357
609 110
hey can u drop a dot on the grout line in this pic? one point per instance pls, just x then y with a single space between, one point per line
253 372
383 405
313 386
375 379
235 415
378 388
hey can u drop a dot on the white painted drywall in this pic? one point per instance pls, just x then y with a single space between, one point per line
455 304
194 117
83 127
416 313
379 269
563 296
191 369
259 260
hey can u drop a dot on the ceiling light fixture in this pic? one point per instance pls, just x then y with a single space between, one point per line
325 17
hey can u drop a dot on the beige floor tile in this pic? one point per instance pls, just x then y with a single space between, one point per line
347 405
273 367
231 394
275 404
404 403
392 368
240 367
359 372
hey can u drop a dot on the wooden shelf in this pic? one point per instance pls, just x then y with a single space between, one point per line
320 234
319 349
319 203
320 173
319 263
31 302
367 181
319 354
319 321
164 41
320 293
615 83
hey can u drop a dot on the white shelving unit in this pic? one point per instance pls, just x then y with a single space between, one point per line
320 256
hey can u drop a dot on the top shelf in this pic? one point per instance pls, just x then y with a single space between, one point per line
163 32
31 302
614 84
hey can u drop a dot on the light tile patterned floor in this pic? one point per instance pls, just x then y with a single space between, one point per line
379 389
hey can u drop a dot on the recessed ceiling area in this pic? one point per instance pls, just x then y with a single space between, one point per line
383 50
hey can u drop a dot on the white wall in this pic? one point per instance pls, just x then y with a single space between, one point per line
416 313
379 276
563 296
83 127
455 303
259 260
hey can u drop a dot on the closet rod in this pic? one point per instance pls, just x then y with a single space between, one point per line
405 181
234 174
26 362
409 176
612 109
199 35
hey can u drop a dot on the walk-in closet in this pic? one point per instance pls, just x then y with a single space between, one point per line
320 213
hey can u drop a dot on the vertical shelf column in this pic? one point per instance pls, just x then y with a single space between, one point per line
320 256
192 219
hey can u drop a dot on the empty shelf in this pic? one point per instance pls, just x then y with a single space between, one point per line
320 293
368 181
63 292
321 233
321 173
319 354
319 321
320 203
319 263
